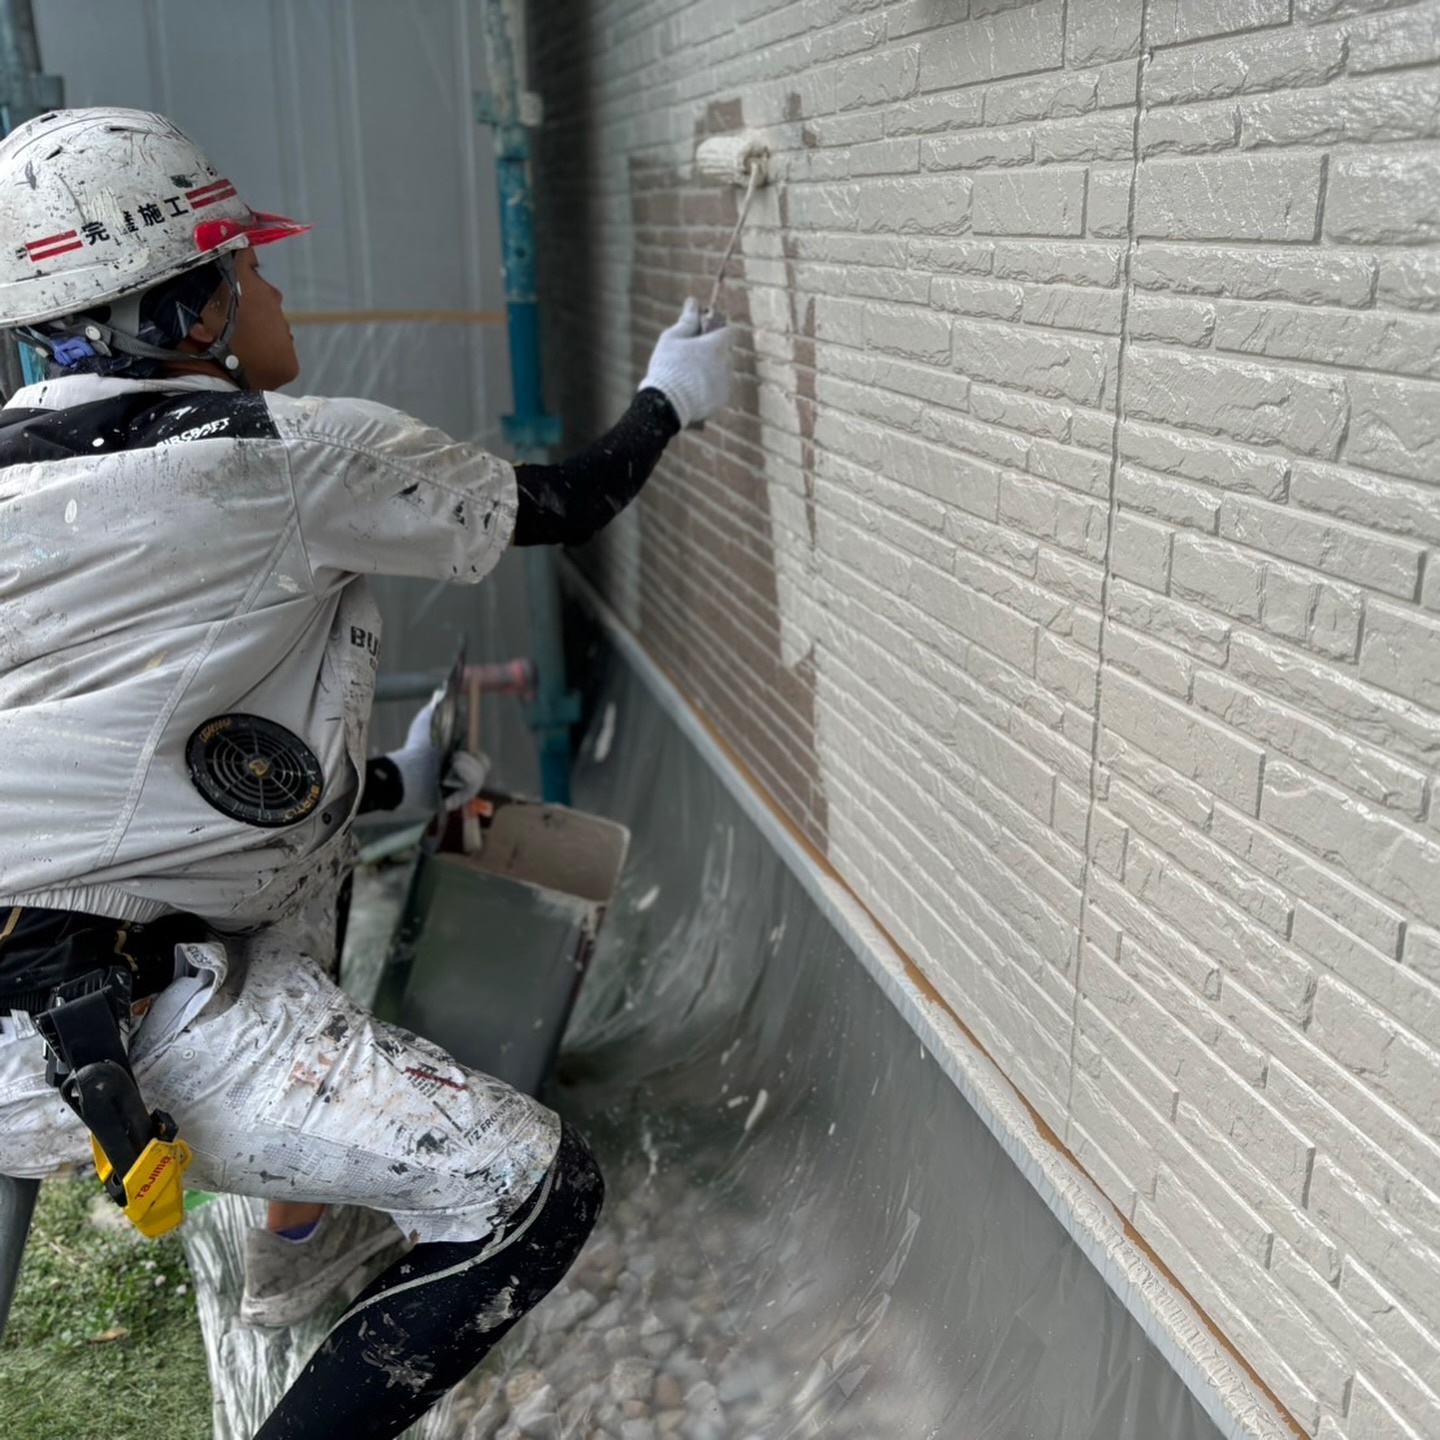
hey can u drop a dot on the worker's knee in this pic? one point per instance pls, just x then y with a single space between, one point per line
525 1258
552 1228
577 1176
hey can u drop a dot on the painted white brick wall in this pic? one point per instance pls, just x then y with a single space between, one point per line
1067 570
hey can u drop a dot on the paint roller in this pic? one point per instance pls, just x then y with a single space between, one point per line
731 160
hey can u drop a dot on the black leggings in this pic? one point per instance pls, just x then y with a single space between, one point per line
425 1323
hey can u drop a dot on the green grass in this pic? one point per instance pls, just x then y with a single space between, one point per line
66 1370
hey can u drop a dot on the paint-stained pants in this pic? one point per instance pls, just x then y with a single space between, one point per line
287 1089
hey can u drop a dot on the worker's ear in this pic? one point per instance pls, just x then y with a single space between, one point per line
202 334
210 325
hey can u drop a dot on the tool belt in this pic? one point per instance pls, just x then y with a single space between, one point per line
82 979
40 949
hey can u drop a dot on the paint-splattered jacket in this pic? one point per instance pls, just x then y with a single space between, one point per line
175 552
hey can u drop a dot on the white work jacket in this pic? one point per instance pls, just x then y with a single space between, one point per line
174 552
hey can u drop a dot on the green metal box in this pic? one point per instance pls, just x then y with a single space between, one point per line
492 947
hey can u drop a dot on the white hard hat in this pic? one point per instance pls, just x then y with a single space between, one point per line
102 203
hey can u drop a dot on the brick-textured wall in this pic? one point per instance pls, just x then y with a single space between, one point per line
1067 569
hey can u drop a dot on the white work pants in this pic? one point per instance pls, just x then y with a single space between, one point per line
285 1088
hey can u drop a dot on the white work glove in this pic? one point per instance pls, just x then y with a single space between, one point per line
692 370
419 761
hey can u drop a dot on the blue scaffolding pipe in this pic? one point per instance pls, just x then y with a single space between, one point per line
529 429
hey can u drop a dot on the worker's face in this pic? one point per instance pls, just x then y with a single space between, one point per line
261 340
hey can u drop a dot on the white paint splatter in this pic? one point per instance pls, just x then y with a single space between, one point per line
757 1109
648 898
606 737
652 1153
501 1309
71 511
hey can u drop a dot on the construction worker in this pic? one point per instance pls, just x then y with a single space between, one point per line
187 664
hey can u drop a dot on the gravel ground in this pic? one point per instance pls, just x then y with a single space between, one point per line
658 1331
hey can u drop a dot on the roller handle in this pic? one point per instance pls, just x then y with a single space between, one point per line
710 319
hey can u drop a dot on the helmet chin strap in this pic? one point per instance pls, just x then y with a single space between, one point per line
110 338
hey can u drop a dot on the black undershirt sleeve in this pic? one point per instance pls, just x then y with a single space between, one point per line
384 789
566 504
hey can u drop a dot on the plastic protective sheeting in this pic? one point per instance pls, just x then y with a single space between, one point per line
809 1232
358 117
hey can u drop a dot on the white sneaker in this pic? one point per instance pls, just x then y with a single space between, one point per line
287 1281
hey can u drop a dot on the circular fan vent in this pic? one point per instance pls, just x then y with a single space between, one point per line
254 770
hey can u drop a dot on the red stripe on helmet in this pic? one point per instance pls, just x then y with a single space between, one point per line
36 256
33 245
199 199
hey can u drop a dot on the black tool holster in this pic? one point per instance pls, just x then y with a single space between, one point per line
88 1064
79 977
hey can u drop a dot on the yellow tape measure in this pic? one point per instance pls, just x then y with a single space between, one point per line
154 1188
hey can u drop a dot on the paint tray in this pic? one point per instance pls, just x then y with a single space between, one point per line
492 947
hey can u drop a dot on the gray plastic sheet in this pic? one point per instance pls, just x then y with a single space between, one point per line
809 1232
